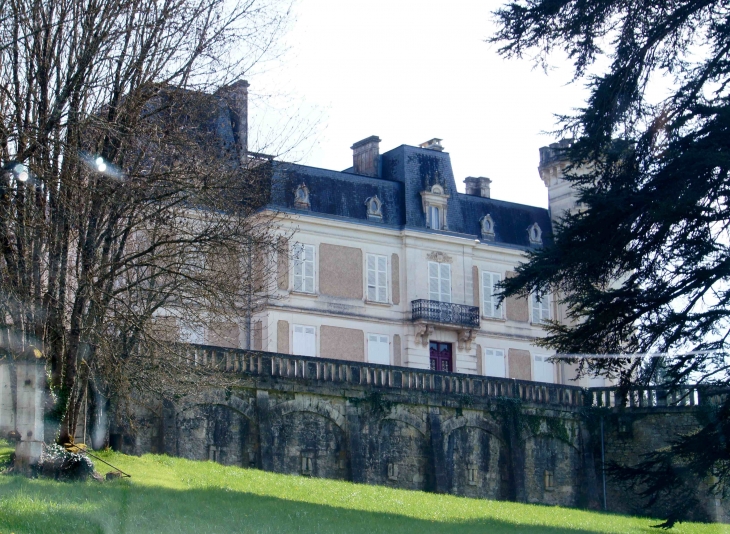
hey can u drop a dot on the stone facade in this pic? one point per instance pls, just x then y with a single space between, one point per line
450 433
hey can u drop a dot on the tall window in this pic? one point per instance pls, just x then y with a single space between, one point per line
377 278
543 369
434 216
490 302
439 281
304 340
540 308
494 364
378 349
304 268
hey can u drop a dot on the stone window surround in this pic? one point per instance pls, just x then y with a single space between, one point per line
438 198
549 306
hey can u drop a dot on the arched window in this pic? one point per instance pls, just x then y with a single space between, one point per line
487 224
375 208
301 197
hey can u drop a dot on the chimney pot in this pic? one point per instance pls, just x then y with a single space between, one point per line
478 186
366 156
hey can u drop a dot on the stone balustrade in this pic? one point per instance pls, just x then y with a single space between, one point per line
269 364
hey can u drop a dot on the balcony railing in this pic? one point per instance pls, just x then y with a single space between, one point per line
445 313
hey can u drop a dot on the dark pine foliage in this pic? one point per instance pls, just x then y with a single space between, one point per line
644 265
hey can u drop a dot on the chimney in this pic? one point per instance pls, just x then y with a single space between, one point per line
236 97
366 156
433 144
478 186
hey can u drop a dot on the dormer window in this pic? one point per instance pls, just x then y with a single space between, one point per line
535 234
435 204
434 218
487 224
301 197
375 208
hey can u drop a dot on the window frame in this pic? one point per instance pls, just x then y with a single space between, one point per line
379 342
536 308
302 262
497 312
484 360
542 361
434 223
313 333
440 281
377 286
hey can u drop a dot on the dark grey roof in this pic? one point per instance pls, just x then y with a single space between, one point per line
405 172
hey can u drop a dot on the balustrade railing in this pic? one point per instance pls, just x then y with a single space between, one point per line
445 313
321 370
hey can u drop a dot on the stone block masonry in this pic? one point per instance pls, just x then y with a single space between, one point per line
466 435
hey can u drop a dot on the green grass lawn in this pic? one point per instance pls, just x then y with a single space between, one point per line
178 496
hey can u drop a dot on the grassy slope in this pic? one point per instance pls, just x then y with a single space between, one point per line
175 495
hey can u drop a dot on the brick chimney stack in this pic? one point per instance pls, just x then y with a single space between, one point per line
366 156
478 186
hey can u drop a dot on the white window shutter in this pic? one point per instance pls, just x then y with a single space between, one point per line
445 271
434 286
371 276
382 279
494 364
490 302
540 308
304 340
378 349
298 267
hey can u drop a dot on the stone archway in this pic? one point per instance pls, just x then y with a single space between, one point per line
476 457
308 438
402 449
219 428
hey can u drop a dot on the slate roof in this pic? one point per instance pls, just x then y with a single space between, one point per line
405 171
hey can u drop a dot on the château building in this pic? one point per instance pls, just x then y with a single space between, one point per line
390 264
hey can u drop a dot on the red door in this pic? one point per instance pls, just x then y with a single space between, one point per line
440 354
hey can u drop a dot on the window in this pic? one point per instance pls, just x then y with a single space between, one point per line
377 273
378 349
490 302
304 340
434 218
494 364
543 369
540 308
439 281
304 268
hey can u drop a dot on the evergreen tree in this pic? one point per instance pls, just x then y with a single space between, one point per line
644 264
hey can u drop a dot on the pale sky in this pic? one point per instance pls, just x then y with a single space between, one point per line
408 71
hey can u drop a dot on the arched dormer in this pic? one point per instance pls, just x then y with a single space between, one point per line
375 208
487 224
301 197
435 204
535 234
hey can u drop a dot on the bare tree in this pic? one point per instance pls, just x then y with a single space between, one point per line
128 197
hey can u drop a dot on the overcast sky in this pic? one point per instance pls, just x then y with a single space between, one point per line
408 71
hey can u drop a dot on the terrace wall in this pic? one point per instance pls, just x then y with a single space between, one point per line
445 432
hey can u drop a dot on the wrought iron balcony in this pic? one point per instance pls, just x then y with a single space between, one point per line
445 313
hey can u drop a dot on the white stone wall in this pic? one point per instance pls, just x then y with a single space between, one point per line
414 250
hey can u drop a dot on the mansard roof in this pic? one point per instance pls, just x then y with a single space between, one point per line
404 173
